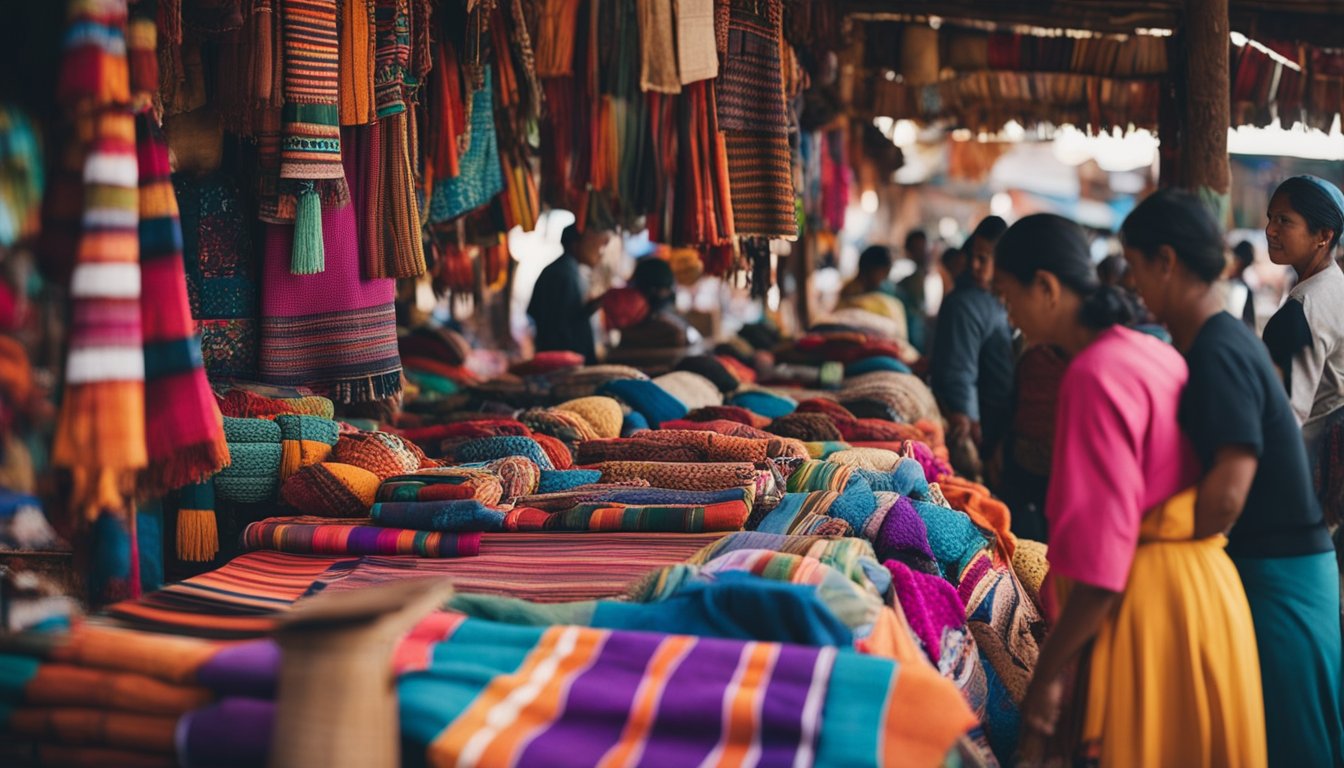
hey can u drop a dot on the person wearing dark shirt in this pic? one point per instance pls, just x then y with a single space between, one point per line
1240 297
1257 482
972 367
560 308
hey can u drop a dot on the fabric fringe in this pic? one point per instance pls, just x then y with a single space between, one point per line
197 526
188 465
366 390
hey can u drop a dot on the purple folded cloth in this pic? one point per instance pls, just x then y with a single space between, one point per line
930 604
246 669
231 733
904 537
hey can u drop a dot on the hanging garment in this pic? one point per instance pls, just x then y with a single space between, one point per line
334 332
481 177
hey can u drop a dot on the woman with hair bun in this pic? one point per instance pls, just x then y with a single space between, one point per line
1306 336
1257 482
1149 622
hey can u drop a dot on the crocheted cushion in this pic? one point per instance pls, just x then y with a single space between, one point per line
655 403
603 414
382 453
331 490
238 430
491 448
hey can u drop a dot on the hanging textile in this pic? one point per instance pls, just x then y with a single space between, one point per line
222 275
184 428
310 176
393 243
697 55
754 119
357 61
100 433
336 331
21 177
556 33
658 59
481 177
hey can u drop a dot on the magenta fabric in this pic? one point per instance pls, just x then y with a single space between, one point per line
930 604
1119 452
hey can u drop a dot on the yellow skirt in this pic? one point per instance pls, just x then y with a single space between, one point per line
1173 677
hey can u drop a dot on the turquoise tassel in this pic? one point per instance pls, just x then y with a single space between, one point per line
309 256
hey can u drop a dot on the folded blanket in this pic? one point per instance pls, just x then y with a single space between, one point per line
682 476
67 685
152 734
709 518
230 732
452 516
722 426
447 484
318 536
491 448
624 494
553 480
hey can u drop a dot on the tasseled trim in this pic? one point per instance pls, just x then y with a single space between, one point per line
366 390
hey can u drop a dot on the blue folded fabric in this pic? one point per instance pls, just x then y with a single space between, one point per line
553 480
655 403
876 363
782 516
669 497
634 421
764 403
491 448
455 516
954 539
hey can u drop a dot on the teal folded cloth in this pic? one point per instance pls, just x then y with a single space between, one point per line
553 480
634 422
876 363
302 427
655 403
458 515
491 448
954 539
253 474
782 516
763 403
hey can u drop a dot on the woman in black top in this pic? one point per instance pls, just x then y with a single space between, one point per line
1257 481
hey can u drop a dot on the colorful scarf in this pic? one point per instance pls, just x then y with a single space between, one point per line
184 427
357 62
482 177
100 434
443 485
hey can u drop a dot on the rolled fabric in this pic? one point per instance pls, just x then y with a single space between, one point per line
491 448
354 536
681 476
519 476
382 453
331 489
602 413
763 403
228 733
726 516
253 475
446 484
652 401
248 669
445 516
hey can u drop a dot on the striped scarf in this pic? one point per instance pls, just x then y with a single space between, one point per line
100 434
185 431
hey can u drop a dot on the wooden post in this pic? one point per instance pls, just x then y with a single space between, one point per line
1201 162
800 261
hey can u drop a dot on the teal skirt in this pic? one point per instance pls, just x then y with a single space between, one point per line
1296 610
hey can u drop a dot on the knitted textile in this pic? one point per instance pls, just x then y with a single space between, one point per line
518 476
453 516
904 537
730 428
491 448
253 474
221 267
481 177
304 441
930 605
876 363
559 453
318 536
633 422
681 476
568 427
727 413
548 362
655 403
554 480
331 489
603 414
808 427
577 382
764 403
621 495
874 459
727 516
444 484
827 406
382 453
1030 565
335 331
692 389
242 404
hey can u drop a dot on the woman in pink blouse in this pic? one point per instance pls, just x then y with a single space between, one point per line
1150 626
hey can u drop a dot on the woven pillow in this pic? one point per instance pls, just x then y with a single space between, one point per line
382 453
331 490
764 403
652 401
